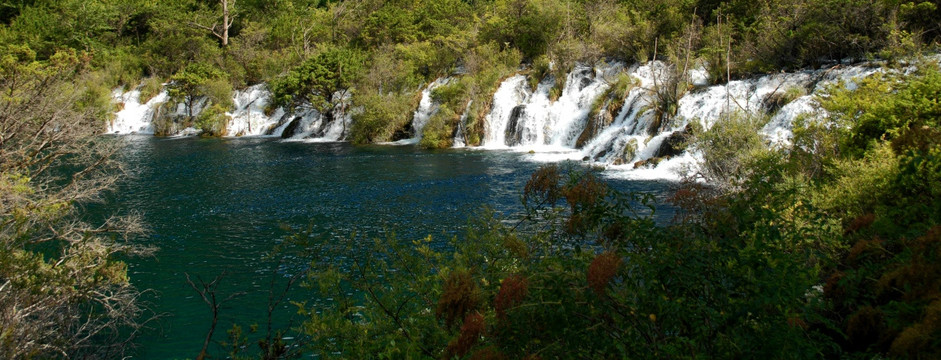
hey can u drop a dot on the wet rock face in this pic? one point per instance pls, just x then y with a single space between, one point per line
585 80
676 143
405 132
291 129
649 163
514 135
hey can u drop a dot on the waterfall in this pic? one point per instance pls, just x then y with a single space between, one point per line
512 93
427 108
634 143
626 146
460 134
629 140
522 118
134 117
247 118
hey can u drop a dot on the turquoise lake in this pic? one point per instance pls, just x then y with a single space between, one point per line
217 206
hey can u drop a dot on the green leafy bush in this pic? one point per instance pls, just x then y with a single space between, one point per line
439 132
314 82
380 116
592 277
149 88
729 148
212 121
198 80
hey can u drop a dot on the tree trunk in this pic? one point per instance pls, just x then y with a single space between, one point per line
225 22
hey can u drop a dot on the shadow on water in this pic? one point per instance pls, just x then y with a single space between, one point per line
220 205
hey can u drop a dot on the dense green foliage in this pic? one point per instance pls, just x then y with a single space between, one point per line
315 81
828 248
393 48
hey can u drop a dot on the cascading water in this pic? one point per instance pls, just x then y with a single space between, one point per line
512 93
427 108
460 134
134 117
248 118
635 141
531 119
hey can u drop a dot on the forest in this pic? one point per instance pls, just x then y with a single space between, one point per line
827 248
384 52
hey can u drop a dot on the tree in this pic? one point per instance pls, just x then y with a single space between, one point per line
221 31
314 83
192 82
62 292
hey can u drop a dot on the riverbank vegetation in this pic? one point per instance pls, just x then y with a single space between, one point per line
63 291
402 45
827 248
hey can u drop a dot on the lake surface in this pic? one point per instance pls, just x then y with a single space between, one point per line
220 205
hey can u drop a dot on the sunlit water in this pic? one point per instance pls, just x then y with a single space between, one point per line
220 205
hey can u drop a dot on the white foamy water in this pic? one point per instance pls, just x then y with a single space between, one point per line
525 120
427 108
511 94
460 134
134 117
249 117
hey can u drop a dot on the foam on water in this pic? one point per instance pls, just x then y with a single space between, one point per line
249 117
523 119
134 117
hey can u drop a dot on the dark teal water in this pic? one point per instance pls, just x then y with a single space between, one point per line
220 205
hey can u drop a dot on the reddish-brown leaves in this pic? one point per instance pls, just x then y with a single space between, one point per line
488 353
512 292
602 269
460 297
585 193
471 331
543 185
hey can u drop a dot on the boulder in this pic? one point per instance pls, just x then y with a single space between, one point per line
676 143
649 163
291 129
513 133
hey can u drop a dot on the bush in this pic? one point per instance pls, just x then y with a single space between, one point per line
728 149
381 115
212 121
63 290
198 80
314 82
869 116
590 275
439 132
149 88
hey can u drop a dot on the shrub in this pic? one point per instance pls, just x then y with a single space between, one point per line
314 82
64 292
150 88
212 121
729 149
380 116
198 80
439 131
